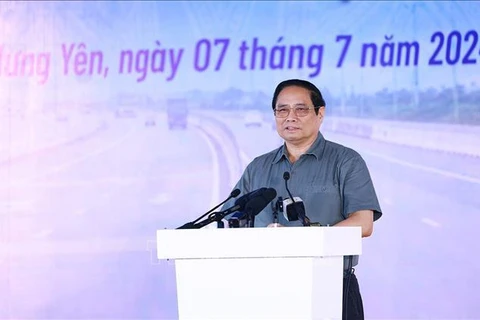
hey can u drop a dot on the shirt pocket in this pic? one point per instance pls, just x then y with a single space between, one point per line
319 188
324 203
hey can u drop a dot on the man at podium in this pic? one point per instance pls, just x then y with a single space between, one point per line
318 182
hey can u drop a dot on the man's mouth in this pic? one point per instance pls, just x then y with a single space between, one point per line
291 128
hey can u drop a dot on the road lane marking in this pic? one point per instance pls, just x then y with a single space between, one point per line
96 152
16 206
216 171
91 246
431 222
123 181
215 199
425 168
46 145
228 146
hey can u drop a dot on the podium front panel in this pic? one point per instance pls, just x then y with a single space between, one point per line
260 288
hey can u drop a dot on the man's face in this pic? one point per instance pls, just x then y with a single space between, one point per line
297 129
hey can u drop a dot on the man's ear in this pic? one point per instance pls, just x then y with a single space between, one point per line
321 112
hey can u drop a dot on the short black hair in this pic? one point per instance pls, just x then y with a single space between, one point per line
315 94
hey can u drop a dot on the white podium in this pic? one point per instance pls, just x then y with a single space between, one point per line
259 273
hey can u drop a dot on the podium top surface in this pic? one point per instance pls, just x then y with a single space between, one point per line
258 242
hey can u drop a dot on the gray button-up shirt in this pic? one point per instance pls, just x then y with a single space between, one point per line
332 180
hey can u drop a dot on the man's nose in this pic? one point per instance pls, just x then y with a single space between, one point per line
291 117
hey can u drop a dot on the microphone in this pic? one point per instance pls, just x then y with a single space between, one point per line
257 204
236 220
191 225
243 200
276 208
298 206
249 204
286 177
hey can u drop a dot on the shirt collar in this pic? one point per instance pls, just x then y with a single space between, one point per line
316 149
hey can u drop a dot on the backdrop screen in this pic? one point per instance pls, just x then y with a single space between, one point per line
121 118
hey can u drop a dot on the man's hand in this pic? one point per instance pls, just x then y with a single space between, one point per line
362 218
275 225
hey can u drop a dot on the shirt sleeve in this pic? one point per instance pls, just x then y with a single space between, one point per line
357 188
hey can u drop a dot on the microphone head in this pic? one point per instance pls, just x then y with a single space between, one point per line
286 175
270 194
235 193
257 204
254 206
242 201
